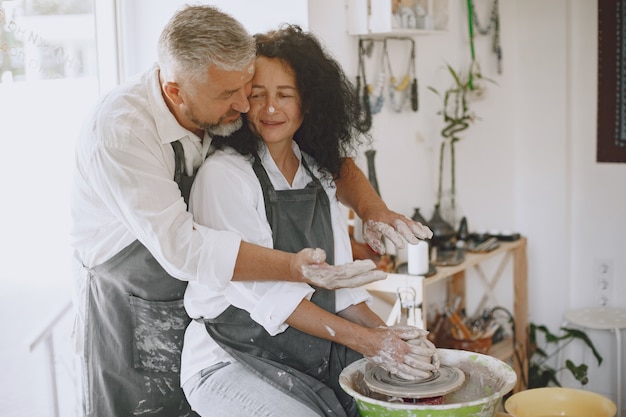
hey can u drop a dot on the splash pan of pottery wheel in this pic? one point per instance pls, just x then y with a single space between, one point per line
486 380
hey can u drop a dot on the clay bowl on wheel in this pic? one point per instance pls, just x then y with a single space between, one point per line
487 379
556 401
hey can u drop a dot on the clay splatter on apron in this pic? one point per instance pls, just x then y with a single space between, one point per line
159 332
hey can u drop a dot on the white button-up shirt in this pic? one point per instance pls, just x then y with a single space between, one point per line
124 188
227 195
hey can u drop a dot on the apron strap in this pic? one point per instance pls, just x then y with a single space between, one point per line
183 180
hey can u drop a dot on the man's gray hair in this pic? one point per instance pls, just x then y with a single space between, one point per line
197 37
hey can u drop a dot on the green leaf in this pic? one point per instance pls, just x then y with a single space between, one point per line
579 372
581 335
434 90
457 78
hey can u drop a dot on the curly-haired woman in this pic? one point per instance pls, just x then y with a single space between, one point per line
277 348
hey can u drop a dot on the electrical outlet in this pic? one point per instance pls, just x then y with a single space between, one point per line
603 280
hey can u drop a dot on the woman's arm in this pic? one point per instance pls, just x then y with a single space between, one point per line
355 191
361 314
386 346
314 320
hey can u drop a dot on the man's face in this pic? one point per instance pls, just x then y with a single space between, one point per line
216 104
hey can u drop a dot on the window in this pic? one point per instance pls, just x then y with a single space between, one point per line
49 79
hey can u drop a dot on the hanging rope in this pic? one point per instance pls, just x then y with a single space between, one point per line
401 88
372 97
377 98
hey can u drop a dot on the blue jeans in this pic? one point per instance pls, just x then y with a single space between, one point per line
234 391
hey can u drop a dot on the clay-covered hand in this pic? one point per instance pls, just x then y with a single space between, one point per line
423 342
397 228
309 263
401 355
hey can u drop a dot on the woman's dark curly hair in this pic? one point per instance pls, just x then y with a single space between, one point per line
331 128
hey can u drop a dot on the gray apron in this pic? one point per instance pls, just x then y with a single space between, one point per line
134 332
310 366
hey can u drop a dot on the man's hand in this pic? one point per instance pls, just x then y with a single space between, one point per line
397 228
310 265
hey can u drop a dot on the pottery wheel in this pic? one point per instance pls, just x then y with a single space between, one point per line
443 381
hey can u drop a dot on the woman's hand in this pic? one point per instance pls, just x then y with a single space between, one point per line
404 351
397 228
355 191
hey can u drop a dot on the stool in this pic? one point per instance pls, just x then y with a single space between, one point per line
604 318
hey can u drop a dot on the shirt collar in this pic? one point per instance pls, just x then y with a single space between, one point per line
168 128
301 178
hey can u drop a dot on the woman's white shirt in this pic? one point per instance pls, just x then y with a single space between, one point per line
227 195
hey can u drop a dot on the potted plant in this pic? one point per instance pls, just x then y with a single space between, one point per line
540 374
457 118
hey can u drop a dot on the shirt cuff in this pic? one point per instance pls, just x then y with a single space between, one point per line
271 313
217 258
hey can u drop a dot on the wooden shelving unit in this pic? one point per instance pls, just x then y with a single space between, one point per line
455 280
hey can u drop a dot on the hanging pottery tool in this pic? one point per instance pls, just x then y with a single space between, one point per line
364 100
414 93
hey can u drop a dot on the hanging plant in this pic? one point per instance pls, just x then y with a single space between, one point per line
457 118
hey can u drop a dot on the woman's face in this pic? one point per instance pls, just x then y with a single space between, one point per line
274 101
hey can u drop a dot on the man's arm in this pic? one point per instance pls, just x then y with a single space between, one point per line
355 191
221 199
257 263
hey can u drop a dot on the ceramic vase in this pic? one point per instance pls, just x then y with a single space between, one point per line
371 169
417 216
443 231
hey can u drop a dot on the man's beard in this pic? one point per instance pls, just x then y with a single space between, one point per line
224 129
216 129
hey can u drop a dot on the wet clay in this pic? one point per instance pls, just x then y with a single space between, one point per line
443 381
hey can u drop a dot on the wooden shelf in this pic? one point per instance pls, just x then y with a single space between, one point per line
454 279
377 18
503 350
472 259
